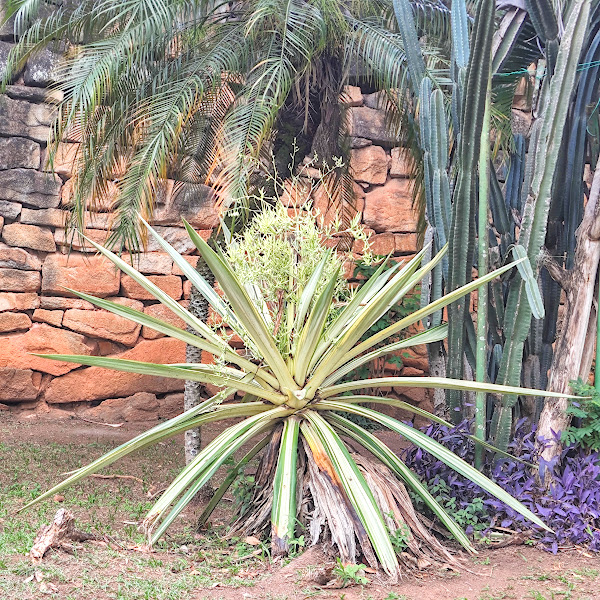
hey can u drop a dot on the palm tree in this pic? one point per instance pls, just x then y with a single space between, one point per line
303 331
198 90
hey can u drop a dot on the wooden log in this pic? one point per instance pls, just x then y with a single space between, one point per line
59 532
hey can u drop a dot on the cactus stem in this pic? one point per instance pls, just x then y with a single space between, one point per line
482 266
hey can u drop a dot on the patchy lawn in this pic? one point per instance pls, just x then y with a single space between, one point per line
206 565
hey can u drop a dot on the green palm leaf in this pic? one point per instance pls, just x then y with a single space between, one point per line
426 310
245 310
195 417
178 333
210 374
229 479
378 305
387 457
311 332
341 400
435 382
435 334
200 470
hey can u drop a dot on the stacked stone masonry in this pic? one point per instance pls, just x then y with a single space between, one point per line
38 313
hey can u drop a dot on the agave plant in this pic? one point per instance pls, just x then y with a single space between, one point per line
296 407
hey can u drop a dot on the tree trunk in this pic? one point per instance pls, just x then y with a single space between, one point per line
590 342
192 394
570 351
437 368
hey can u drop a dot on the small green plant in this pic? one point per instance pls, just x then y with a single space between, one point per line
474 515
586 431
400 538
297 545
242 490
586 572
538 577
350 574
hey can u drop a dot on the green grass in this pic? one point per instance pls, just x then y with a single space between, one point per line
562 586
111 508
28 469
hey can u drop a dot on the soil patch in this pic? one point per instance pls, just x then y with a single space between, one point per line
507 573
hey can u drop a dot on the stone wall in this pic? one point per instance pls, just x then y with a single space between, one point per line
37 313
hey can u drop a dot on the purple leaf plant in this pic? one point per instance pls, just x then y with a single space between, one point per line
571 505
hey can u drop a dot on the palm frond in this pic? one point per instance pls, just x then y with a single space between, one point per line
389 458
185 486
436 449
206 412
297 34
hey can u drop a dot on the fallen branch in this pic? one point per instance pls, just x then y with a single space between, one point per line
516 539
58 533
99 423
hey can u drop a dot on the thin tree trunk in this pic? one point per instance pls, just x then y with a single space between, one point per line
590 342
192 394
570 351
437 368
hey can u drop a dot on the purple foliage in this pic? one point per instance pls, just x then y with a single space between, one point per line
571 507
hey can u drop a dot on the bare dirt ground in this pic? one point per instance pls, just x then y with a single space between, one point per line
197 566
